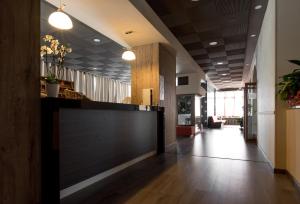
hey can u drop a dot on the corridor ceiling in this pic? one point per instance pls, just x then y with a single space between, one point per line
233 24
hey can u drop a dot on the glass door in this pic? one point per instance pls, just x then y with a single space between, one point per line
250 112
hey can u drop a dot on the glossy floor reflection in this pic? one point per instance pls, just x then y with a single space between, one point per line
182 176
227 143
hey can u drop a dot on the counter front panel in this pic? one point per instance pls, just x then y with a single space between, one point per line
92 141
84 139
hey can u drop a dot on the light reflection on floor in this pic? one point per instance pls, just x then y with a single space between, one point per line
227 142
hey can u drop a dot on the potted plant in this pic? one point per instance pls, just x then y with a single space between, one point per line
53 54
289 87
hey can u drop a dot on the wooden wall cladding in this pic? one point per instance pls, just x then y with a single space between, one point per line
167 68
145 72
20 103
293 142
152 61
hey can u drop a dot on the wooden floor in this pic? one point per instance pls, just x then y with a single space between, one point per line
226 143
212 168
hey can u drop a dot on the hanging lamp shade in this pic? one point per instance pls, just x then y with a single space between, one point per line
60 20
128 55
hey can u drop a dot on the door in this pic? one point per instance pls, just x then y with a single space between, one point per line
250 112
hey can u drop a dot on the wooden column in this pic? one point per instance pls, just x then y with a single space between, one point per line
145 72
152 61
20 102
167 69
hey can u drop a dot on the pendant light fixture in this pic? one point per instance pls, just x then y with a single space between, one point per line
59 19
128 55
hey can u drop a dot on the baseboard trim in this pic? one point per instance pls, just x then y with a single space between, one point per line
290 176
270 164
294 181
280 171
85 183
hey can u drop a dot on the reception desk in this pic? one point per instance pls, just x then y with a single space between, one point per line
85 141
293 143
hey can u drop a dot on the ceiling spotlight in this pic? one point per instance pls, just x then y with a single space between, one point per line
59 19
96 40
129 32
253 35
213 43
220 63
258 7
224 74
94 68
128 55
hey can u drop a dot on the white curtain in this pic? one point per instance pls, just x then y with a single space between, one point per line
95 87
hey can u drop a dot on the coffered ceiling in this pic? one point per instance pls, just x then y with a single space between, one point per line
220 35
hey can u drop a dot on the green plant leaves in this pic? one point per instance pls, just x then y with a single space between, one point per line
290 84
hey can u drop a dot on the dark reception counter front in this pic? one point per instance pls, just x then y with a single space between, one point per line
82 139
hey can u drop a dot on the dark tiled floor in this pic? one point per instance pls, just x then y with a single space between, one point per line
193 173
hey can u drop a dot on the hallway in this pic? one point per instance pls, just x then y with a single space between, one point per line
215 167
225 143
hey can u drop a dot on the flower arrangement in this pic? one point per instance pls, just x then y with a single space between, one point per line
289 87
53 52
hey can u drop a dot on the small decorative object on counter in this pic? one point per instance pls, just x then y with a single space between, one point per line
289 87
53 54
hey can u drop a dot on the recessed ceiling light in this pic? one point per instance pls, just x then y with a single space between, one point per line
258 7
220 63
129 32
253 35
97 40
247 64
94 68
224 74
213 43
226 81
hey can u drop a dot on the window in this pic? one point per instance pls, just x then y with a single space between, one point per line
210 103
183 80
229 103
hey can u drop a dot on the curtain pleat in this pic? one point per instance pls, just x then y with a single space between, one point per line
95 87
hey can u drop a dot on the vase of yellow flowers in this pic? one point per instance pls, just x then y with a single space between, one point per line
53 54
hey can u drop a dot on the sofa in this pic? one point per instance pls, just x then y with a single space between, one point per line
214 122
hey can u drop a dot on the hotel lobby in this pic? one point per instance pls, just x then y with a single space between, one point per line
150 101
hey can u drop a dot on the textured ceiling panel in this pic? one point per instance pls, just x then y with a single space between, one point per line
102 58
197 23
232 7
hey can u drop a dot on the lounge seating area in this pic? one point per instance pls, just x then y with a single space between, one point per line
214 122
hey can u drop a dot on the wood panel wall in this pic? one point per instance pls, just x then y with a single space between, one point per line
145 72
293 142
151 61
20 102
167 68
